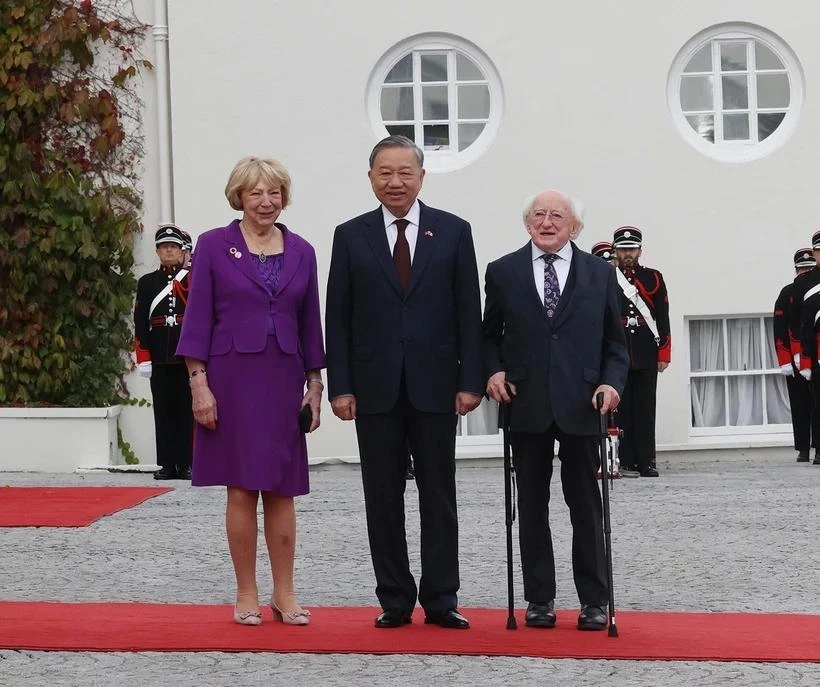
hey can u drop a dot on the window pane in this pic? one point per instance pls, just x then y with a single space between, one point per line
767 123
436 137
402 130
744 344
482 421
701 61
468 133
708 402
704 125
736 127
434 67
745 401
735 92
772 90
696 93
467 70
434 102
397 103
733 57
402 71
765 58
473 102
777 400
770 354
706 345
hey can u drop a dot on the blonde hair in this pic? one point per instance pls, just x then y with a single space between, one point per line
249 171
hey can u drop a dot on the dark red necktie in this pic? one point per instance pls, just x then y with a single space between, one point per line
401 253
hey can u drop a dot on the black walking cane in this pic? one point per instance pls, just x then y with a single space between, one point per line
509 510
605 476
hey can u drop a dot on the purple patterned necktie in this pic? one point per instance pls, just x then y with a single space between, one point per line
552 290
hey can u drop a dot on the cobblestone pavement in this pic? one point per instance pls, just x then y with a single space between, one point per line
720 531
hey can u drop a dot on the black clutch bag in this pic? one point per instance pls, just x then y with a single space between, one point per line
305 419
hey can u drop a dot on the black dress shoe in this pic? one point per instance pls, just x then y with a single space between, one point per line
592 618
166 473
803 457
184 472
816 460
540 614
450 618
649 472
392 617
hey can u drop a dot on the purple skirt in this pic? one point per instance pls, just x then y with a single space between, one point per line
257 443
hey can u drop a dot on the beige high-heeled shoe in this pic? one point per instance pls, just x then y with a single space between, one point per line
301 617
247 617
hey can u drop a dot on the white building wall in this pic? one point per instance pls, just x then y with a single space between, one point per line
585 111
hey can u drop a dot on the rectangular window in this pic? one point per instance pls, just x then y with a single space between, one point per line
734 379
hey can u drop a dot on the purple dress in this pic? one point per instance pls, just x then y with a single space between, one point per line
257 327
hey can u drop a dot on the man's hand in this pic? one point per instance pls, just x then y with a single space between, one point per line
611 399
144 369
204 404
787 370
499 389
806 374
466 401
344 407
662 365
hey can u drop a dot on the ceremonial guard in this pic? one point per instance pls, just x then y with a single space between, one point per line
604 250
800 397
645 316
804 323
158 314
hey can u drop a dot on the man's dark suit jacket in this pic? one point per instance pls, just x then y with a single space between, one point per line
375 331
555 363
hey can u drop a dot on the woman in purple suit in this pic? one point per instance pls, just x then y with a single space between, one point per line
252 341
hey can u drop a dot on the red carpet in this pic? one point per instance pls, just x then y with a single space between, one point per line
176 627
67 506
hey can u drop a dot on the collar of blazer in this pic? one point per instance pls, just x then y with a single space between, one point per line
240 255
576 286
425 243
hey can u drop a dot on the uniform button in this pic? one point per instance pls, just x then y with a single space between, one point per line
555 337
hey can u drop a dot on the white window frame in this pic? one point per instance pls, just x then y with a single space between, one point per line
726 430
439 160
736 151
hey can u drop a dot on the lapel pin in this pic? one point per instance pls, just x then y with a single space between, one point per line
238 254
428 233
232 250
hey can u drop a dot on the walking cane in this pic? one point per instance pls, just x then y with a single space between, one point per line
509 510
604 434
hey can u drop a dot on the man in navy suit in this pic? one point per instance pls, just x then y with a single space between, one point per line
403 318
553 340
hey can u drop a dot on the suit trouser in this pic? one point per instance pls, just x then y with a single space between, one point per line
533 458
803 417
636 417
383 443
173 416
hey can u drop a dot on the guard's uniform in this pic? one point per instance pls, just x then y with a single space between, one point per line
800 396
805 317
158 314
637 410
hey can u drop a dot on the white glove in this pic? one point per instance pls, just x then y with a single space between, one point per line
787 370
806 374
144 369
796 358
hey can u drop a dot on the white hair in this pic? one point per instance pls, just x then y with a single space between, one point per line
576 207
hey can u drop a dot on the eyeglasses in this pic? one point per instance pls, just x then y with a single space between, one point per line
553 215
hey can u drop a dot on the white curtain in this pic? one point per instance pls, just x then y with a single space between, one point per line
706 352
777 394
745 393
483 420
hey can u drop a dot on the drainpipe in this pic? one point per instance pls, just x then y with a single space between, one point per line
162 71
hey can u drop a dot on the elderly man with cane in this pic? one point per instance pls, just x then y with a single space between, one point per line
554 349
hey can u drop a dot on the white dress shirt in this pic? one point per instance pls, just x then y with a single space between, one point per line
412 231
561 265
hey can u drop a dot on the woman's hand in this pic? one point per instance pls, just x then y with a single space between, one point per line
313 398
204 404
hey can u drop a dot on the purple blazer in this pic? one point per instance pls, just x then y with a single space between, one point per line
229 305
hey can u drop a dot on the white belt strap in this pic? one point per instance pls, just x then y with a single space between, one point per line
162 294
632 293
